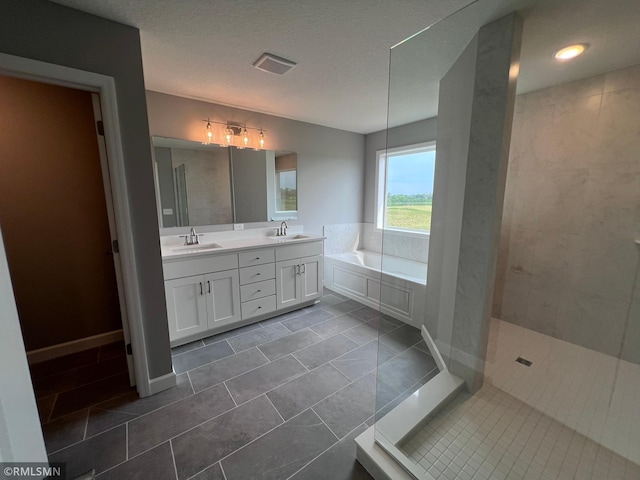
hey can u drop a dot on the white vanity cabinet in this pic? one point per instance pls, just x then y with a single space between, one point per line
299 271
212 293
208 300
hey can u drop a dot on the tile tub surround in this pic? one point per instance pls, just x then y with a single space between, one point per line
283 408
567 260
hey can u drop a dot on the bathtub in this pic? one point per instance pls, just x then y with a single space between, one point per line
398 289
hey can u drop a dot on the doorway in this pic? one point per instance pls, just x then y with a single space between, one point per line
57 221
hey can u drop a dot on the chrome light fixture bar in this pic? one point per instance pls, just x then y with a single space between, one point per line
227 133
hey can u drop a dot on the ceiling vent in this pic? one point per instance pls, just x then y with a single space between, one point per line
273 64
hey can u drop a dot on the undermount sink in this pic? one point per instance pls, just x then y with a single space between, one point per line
198 247
286 238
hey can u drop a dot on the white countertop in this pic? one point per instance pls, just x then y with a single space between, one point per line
214 243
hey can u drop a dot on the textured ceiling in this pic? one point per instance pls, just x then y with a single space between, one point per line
205 49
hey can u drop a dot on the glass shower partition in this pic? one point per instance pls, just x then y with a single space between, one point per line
555 370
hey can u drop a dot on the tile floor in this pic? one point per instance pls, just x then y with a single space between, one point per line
570 415
281 399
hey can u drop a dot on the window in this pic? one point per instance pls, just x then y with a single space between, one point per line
404 188
286 191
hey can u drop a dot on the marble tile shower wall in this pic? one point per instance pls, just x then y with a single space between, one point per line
567 264
365 236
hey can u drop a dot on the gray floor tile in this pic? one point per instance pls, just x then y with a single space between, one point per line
336 325
422 346
307 320
159 426
65 431
362 360
265 378
289 344
390 319
326 291
366 313
405 369
201 356
283 317
102 420
401 338
156 464
214 472
258 337
231 333
281 452
205 445
45 406
353 405
337 463
344 307
133 404
383 409
330 299
100 452
229 367
325 351
303 392
186 347
369 331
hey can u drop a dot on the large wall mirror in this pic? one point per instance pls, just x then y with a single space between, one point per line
211 185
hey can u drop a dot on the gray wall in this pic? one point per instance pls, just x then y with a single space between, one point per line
410 134
568 264
48 32
330 161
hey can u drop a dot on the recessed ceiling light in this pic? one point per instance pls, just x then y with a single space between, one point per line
572 51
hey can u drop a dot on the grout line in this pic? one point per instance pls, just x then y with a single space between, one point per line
126 440
173 457
53 406
222 470
86 424
325 424
274 407
231 346
229 392
326 450
193 390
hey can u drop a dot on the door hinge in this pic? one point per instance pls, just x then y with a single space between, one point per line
129 350
100 127
115 247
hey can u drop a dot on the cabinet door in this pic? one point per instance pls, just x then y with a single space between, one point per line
223 297
287 283
186 306
311 277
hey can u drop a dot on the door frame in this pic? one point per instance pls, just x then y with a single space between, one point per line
105 86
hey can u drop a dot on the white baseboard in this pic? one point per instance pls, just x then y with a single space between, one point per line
164 382
67 348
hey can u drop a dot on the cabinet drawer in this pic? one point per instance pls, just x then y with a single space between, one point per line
256 257
258 307
208 264
257 273
298 250
257 290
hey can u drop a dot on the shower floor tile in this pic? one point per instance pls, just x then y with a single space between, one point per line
493 435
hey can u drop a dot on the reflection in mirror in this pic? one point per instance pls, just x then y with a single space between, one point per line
211 185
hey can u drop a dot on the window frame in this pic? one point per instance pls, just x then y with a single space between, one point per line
283 213
381 185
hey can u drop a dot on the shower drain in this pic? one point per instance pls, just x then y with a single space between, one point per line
524 361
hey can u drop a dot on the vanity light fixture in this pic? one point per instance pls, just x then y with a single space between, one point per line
571 51
227 133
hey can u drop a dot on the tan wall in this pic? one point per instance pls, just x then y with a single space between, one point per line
53 214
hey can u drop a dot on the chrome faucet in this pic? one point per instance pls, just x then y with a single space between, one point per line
192 238
282 231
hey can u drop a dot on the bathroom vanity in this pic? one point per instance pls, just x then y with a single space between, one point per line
225 282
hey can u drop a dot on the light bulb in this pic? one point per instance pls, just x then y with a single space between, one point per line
572 51
208 136
245 137
228 135
261 139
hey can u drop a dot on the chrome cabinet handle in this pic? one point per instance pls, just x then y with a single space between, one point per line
304 268
209 286
257 258
200 288
297 269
